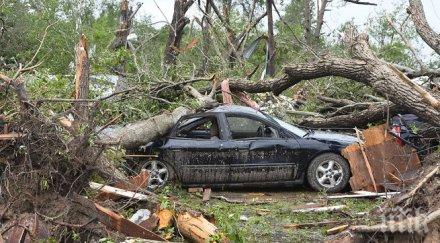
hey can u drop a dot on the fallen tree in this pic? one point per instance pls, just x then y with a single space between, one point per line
363 67
140 133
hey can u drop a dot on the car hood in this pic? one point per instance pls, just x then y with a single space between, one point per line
332 137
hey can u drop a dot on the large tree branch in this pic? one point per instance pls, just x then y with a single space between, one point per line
366 68
354 119
415 10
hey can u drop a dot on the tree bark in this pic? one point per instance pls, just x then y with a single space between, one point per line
415 10
82 77
124 26
355 119
206 39
322 4
120 40
176 30
270 68
308 21
366 68
142 132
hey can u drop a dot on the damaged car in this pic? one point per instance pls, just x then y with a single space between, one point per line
238 146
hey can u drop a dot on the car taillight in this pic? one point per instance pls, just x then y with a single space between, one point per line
397 130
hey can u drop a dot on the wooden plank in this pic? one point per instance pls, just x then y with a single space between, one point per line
206 194
337 229
195 189
364 194
10 136
319 209
310 225
118 191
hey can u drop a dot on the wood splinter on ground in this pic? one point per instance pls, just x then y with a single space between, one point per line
165 218
337 229
196 228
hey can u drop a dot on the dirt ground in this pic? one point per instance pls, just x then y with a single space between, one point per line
260 215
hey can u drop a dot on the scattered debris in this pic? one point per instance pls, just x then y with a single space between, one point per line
244 218
27 228
113 220
412 215
319 209
379 160
140 216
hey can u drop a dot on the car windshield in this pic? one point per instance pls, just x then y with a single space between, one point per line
296 130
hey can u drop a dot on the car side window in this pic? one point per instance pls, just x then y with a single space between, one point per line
199 128
244 127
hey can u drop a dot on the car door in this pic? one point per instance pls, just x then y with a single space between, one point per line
267 156
196 149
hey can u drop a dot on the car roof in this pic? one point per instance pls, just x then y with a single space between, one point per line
237 109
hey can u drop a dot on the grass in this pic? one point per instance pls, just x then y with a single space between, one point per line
264 222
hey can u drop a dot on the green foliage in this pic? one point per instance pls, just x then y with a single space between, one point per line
26 21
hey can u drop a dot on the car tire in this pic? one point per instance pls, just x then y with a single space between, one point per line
328 172
160 173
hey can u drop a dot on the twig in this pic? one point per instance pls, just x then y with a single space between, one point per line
87 100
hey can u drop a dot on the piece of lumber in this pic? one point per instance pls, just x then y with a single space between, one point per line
206 194
118 191
337 229
165 218
112 219
319 209
367 162
196 228
310 225
363 194
10 136
195 189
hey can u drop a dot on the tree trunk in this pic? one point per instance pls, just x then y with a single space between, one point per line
176 30
322 4
308 21
270 68
142 132
124 26
82 77
121 41
206 39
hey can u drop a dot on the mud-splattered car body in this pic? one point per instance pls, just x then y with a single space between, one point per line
237 155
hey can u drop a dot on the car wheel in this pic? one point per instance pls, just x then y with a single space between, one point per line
159 174
328 172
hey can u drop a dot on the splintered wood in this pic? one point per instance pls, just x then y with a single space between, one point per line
379 162
196 228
